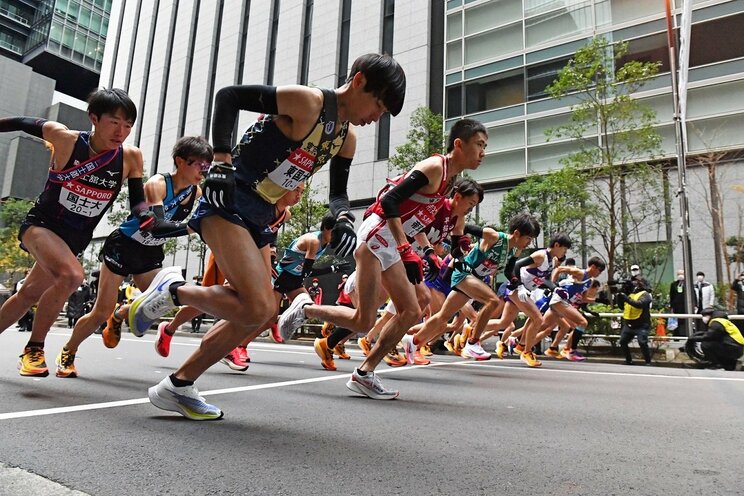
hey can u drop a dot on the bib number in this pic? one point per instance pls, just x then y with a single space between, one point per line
84 200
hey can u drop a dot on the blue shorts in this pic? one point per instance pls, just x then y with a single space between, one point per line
439 285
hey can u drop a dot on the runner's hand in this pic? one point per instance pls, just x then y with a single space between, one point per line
219 186
413 264
432 264
523 294
343 237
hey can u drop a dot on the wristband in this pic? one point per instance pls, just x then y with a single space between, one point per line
404 247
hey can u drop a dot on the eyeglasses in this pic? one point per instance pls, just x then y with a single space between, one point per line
203 165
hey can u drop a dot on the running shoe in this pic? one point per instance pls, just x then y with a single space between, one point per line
566 353
519 348
529 358
66 364
274 334
32 363
553 352
370 385
395 359
458 344
408 348
155 302
426 350
575 356
235 361
340 351
326 330
364 345
111 334
475 351
325 354
243 352
467 331
162 344
448 344
500 349
184 400
294 316
419 359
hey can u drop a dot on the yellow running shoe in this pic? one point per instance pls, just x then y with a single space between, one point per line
66 364
553 353
340 351
519 348
32 363
112 333
458 344
326 355
426 350
500 349
529 358
364 345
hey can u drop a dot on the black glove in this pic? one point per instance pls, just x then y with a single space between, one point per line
219 186
340 266
414 266
431 264
514 283
343 237
147 220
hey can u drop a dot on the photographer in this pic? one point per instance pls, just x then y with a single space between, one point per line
722 343
636 300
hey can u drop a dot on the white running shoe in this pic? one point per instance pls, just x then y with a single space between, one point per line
183 400
153 303
370 385
408 348
294 316
476 351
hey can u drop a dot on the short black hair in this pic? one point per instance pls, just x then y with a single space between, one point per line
192 146
464 129
328 222
526 224
561 239
701 273
467 187
570 261
386 79
597 262
108 101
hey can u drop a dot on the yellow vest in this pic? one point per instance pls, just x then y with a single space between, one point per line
731 328
629 311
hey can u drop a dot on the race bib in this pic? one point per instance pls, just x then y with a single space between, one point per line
84 200
419 220
486 268
295 169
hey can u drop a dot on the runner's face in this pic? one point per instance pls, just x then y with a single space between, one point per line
522 241
364 108
474 150
463 205
111 129
196 168
294 196
558 251
593 271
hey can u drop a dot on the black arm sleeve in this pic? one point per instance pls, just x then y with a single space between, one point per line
509 268
136 195
474 229
401 191
519 264
307 267
165 228
29 125
229 100
338 199
322 270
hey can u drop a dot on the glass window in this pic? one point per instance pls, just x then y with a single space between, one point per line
60 7
541 76
548 157
491 14
493 44
454 54
383 137
536 128
454 26
534 7
99 3
620 11
453 101
652 48
84 18
717 132
55 32
500 165
717 40
68 35
492 92
73 9
95 24
558 24
716 99
505 137
79 43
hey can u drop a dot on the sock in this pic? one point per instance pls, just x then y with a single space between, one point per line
472 341
554 348
173 288
338 335
35 344
179 382
361 372
116 313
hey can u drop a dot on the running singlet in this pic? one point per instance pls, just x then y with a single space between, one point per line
272 164
174 211
443 223
293 259
482 264
77 196
573 289
533 277
420 210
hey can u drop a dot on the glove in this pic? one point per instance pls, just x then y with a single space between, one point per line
343 237
513 284
338 267
413 264
147 220
219 186
432 264
523 294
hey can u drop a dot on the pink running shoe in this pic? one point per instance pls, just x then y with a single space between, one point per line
575 356
162 344
235 361
243 352
274 334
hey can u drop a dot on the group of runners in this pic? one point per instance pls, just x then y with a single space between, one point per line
246 192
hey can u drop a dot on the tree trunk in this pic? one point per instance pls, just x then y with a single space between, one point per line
667 213
715 212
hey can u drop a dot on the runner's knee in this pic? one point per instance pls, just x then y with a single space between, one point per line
256 310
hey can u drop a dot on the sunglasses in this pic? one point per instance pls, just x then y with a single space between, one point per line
203 165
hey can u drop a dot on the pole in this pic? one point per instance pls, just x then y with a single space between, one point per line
681 168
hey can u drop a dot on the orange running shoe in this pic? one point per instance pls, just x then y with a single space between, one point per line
340 351
364 345
66 364
426 350
500 349
326 355
32 363
395 359
112 333
519 348
326 330
554 353
529 358
419 359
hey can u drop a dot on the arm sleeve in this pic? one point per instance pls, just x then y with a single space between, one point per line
401 191
165 228
136 195
474 229
307 267
509 268
231 99
518 265
29 125
338 199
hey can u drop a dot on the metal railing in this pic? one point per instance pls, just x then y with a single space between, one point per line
15 17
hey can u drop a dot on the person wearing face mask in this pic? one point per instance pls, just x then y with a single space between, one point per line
315 291
705 296
677 304
635 271
636 319
722 342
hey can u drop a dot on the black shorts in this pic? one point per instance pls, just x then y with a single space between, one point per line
123 255
77 241
287 282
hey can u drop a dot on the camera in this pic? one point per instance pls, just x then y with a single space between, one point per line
620 286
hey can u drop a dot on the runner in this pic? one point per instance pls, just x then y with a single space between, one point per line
299 130
86 172
386 263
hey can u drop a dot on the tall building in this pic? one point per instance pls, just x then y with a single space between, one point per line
501 55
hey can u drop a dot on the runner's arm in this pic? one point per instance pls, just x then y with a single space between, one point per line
231 99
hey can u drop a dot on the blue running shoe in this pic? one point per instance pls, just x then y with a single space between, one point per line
153 303
183 400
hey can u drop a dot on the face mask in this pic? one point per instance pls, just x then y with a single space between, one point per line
700 278
706 319
681 277
315 284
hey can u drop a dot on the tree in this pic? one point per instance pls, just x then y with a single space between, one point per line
615 163
13 259
425 138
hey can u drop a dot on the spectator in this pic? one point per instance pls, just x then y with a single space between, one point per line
737 288
316 292
722 343
705 296
636 319
76 304
676 326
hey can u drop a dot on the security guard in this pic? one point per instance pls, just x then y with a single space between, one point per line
722 343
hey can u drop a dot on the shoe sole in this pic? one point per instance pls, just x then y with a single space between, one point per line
110 344
131 320
233 366
71 375
34 374
395 364
359 389
170 406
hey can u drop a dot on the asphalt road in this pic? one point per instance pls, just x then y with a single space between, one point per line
290 427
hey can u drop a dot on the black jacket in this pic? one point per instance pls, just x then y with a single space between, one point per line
644 303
